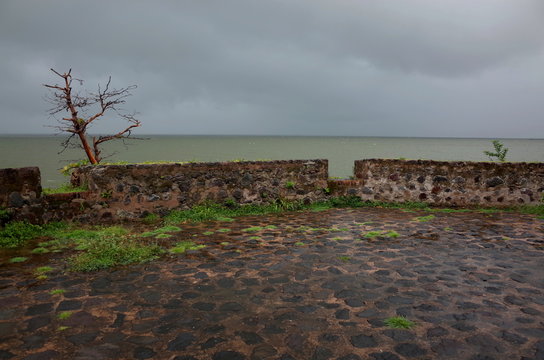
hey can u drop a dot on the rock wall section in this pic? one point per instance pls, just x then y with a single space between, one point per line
130 190
449 183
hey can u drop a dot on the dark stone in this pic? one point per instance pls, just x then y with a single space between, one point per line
439 179
143 353
228 355
231 306
69 305
494 181
447 347
363 341
384 356
249 338
5 355
367 190
342 314
211 342
44 355
204 306
82 338
513 338
33 342
321 353
39 309
437 332
181 342
263 351
37 322
410 350
399 335
421 179
16 200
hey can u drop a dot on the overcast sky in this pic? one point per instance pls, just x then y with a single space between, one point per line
448 68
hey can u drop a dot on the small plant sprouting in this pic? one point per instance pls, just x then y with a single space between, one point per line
183 246
344 258
290 185
399 322
57 292
424 218
299 243
18 259
62 328
500 152
64 315
208 233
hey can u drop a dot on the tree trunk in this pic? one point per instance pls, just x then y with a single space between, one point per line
87 148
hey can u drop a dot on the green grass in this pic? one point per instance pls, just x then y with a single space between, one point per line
223 230
111 247
65 188
207 233
299 243
260 228
40 250
16 234
344 258
62 328
447 228
183 246
160 232
43 269
399 322
57 292
385 233
424 218
18 259
224 243
64 315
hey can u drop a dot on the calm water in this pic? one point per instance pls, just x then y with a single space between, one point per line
42 151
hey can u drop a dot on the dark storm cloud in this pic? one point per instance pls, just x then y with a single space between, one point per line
399 68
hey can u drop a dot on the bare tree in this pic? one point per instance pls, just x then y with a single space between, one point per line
83 110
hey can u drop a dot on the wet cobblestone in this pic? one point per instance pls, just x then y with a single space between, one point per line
314 287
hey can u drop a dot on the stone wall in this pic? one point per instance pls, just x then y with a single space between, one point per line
449 183
130 190
18 187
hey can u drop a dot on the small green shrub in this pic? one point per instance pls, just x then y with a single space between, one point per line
424 218
500 151
57 291
108 251
15 234
64 315
65 188
399 322
183 246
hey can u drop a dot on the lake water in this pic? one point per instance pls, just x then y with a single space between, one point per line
42 151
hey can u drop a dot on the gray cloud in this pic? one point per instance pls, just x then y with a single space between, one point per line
399 68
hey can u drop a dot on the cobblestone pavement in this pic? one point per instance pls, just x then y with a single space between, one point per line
310 286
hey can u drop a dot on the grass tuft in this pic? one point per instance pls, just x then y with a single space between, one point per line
399 322
183 246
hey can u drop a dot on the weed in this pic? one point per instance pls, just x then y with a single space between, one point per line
372 234
18 259
43 269
151 218
110 250
448 228
500 151
183 246
290 185
40 250
254 238
391 234
399 322
163 236
299 243
64 315
5 215
223 230
57 292
344 258
65 188
67 170
424 218
160 232
62 328
15 234
224 243
207 233
106 194
259 228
